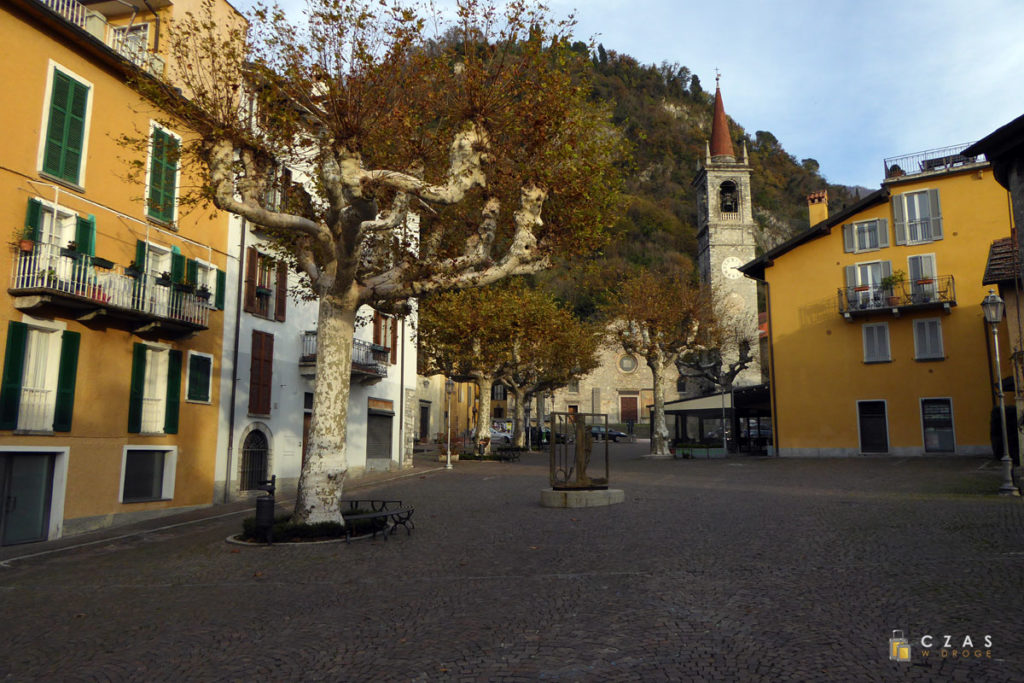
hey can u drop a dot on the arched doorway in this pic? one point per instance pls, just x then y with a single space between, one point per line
255 456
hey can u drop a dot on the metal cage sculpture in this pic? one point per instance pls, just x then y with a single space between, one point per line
572 447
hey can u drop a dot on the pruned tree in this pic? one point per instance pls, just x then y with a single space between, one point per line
465 335
659 317
484 129
549 347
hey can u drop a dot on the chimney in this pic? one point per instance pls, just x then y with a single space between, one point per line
817 206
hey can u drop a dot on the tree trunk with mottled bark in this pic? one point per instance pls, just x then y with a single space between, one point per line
519 414
323 474
483 419
659 429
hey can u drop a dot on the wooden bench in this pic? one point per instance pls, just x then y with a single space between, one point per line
388 515
510 453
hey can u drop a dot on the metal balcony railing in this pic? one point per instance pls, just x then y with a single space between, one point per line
932 292
367 358
71 10
96 24
940 159
77 278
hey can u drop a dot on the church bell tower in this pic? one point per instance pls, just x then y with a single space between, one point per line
725 234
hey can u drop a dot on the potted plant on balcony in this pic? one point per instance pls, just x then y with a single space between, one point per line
888 285
164 279
47 277
203 293
263 291
185 287
133 269
71 251
103 263
22 240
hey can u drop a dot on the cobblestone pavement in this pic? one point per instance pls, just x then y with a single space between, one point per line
720 570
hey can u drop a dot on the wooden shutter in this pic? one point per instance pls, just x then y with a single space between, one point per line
222 285
936 214
394 339
14 367
173 392
33 219
886 268
870 347
163 171
261 369
140 255
66 374
883 233
899 223
136 388
851 282
281 292
192 271
85 235
252 262
199 370
65 132
849 239
177 267
882 341
377 322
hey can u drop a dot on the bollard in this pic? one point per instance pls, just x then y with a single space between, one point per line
265 509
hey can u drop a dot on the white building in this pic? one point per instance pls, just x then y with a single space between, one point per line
268 373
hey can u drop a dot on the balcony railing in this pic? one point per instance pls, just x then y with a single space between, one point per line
932 160
368 360
932 292
95 23
79 281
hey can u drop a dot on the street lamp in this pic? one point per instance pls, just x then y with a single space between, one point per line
993 308
449 387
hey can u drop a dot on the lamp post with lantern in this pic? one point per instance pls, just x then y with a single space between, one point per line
993 307
449 387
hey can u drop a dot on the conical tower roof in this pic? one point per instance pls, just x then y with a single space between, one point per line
721 142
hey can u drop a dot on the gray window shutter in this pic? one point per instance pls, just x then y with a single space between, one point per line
899 223
851 276
882 339
870 347
886 268
848 238
883 232
934 338
936 214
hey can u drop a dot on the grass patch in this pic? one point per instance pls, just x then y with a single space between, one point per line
284 531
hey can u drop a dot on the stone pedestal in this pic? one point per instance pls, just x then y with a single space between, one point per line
550 498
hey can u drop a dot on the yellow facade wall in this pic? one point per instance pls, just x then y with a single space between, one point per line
99 428
819 373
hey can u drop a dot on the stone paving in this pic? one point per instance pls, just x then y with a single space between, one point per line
721 570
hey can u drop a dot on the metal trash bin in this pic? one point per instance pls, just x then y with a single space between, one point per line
265 509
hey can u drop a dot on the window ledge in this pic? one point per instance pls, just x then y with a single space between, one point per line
34 432
152 434
930 360
877 362
199 401
169 225
63 183
144 500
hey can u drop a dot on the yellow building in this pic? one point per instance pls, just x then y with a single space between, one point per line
112 325
878 343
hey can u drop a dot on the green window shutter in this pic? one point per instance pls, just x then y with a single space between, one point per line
222 285
14 367
140 254
136 389
173 392
192 271
66 375
65 132
33 219
163 168
85 235
177 267
199 369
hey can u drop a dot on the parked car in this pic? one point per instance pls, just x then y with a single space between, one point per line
562 436
500 436
599 432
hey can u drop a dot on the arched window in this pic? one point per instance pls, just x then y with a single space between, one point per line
254 460
729 197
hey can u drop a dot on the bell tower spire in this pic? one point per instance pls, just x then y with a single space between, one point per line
725 233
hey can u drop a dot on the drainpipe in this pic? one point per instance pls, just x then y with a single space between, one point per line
234 362
401 398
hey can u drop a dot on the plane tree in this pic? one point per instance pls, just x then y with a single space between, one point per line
479 123
660 316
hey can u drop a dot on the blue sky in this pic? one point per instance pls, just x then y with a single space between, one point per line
846 82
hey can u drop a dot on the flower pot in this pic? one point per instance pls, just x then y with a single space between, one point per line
102 263
26 245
